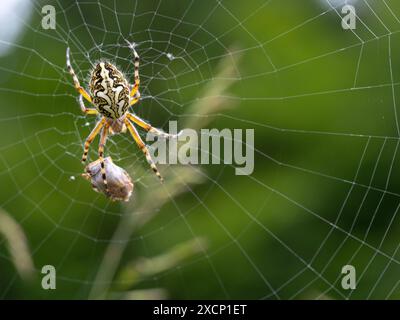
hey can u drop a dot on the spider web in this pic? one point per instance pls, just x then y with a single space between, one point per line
323 102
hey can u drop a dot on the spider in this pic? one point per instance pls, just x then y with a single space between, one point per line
111 96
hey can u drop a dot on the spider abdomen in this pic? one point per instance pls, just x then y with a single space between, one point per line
110 90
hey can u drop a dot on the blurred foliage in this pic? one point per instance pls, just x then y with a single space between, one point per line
18 247
324 192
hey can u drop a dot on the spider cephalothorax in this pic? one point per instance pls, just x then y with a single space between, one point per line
111 96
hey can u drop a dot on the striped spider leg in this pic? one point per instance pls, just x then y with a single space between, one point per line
101 125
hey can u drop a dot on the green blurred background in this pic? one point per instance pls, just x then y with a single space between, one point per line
323 102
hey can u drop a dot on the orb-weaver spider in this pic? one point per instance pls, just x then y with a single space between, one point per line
111 96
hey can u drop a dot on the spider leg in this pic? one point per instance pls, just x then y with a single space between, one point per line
102 143
78 87
135 87
142 146
135 99
148 127
86 110
91 137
